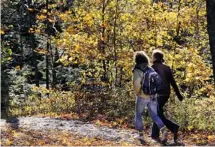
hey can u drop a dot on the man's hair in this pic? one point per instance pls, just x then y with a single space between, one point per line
141 57
158 55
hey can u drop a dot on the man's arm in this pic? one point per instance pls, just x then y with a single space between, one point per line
174 85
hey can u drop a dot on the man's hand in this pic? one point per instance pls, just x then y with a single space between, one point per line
180 97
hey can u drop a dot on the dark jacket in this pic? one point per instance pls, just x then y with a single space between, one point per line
166 74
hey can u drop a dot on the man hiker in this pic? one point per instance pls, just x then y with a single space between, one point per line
144 100
167 76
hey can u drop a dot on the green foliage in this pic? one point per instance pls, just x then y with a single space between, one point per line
57 103
194 113
5 55
20 89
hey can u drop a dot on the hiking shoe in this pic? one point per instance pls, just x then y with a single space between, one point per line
156 139
141 139
179 142
164 135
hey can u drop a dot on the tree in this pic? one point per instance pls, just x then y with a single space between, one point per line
210 7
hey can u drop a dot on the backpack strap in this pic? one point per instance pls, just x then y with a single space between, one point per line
144 70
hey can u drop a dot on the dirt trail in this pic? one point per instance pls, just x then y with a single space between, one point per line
74 126
89 130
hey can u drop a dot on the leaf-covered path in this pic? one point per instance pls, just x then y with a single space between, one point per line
82 132
74 126
53 131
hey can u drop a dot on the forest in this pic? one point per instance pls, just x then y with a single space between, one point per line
66 69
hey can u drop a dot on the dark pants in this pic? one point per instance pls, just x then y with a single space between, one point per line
168 123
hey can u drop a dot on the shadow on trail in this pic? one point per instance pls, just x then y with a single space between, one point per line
13 122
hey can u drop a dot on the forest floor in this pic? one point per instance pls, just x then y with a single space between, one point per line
38 131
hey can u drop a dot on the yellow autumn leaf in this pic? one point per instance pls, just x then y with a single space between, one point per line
8 143
81 60
2 32
30 9
41 51
37 30
115 123
44 11
211 138
41 142
31 30
89 74
51 20
190 127
41 17
63 17
17 67
70 59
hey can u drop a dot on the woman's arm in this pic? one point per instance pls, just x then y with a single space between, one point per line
137 82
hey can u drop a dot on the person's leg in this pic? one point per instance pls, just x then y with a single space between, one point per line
139 108
168 123
152 108
155 129
172 126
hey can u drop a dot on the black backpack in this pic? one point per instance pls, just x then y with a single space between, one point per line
152 83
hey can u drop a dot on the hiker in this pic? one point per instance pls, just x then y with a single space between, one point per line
144 100
167 76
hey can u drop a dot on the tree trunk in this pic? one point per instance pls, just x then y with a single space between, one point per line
210 8
54 77
47 48
114 43
32 21
103 44
47 64
35 61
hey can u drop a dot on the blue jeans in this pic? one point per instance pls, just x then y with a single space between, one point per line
151 105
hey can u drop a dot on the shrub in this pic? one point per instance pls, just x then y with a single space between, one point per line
193 113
